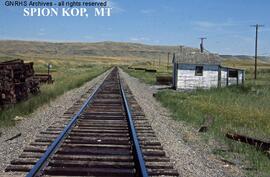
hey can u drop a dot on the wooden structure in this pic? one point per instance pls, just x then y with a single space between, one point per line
44 78
16 81
164 80
203 71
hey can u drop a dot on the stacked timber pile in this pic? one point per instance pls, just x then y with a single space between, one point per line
16 81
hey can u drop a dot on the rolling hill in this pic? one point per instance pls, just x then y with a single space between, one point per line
100 49
123 51
245 57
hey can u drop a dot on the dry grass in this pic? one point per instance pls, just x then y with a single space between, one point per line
245 110
68 74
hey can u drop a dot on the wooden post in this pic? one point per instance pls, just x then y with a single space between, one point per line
256 52
256 48
168 61
243 77
48 69
174 71
201 44
219 76
227 83
237 78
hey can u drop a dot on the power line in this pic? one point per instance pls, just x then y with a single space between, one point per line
256 48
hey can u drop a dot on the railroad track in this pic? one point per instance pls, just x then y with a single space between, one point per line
107 136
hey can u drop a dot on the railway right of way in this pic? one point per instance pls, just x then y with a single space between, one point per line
107 135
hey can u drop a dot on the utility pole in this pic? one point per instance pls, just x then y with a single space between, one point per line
201 45
256 48
168 61
49 67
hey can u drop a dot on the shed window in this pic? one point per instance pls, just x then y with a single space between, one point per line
233 73
199 71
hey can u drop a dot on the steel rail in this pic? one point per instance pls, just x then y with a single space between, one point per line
53 147
136 145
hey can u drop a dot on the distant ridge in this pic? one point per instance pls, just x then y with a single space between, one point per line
245 57
121 50
75 49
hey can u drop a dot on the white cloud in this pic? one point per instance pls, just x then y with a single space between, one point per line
109 29
244 39
41 32
144 40
139 39
208 24
88 37
115 7
266 29
147 11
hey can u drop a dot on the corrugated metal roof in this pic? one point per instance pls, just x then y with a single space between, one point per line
197 58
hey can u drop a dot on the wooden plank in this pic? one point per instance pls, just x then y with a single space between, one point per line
260 144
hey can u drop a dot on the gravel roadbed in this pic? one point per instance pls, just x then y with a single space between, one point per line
43 117
190 161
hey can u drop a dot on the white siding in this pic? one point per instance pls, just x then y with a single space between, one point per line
232 81
223 77
186 78
240 76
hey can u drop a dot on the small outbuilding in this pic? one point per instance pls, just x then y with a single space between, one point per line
203 71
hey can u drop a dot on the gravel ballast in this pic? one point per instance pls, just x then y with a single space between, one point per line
189 160
28 127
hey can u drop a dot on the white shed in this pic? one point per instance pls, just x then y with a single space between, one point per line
204 71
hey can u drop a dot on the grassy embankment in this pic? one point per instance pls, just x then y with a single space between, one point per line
67 75
245 110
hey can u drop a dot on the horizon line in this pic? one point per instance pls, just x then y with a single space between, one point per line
104 41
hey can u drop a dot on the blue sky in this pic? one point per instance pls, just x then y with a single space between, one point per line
225 23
